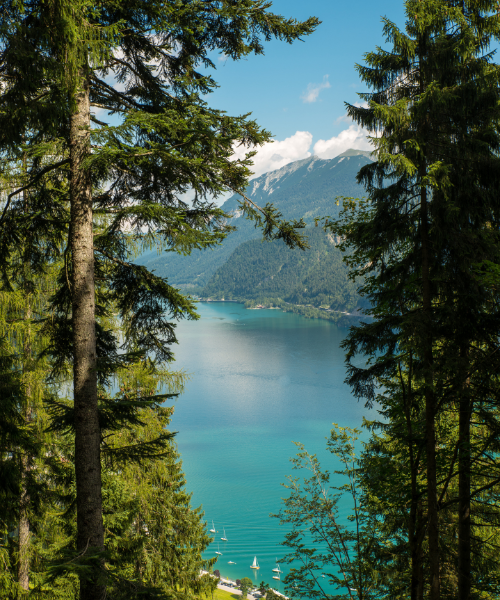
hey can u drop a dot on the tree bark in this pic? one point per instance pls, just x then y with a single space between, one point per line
23 565
426 342
90 531
430 405
421 578
464 520
415 543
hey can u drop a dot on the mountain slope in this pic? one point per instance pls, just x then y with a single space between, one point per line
269 271
307 188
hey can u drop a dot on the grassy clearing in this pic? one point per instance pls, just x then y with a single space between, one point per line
223 595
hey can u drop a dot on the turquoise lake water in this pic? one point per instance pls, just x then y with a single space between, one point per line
260 379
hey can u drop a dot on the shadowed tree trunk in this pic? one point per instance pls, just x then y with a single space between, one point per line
90 533
23 566
464 520
426 339
430 406
421 578
414 522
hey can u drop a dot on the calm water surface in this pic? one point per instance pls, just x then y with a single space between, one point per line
260 379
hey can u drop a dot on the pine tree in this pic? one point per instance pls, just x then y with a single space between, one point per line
428 231
165 536
154 538
393 481
24 294
122 176
27 457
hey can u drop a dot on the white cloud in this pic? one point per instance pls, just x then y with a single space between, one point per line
277 154
313 90
345 118
352 137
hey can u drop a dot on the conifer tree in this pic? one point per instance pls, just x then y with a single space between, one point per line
24 294
393 480
28 461
122 175
154 538
430 228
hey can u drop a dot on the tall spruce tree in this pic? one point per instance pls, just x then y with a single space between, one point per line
429 234
393 481
124 154
28 453
24 295
154 538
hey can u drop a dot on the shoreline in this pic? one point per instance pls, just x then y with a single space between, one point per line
340 318
228 585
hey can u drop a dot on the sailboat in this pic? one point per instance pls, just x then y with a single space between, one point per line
224 539
277 576
255 564
218 550
213 528
231 563
277 569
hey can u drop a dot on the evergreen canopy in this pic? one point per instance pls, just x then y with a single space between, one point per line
427 243
104 106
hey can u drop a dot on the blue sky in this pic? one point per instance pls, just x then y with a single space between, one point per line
298 91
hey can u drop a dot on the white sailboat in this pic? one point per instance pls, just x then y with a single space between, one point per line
224 539
277 569
255 564
213 528
231 563
277 576
218 550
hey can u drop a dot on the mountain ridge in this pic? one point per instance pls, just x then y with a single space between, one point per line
307 188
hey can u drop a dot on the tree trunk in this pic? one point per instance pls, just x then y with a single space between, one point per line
90 531
421 577
464 521
23 565
414 541
430 404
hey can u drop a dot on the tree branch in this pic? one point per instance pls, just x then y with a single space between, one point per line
30 183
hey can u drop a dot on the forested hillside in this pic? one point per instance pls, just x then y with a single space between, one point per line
264 271
306 188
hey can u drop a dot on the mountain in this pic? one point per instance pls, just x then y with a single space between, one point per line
269 272
306 188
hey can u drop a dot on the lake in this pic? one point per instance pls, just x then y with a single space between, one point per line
260 379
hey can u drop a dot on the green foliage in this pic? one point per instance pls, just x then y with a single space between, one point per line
393 479
263 587
246 584
154 537
424 242
272 595
272 273
155 139
29 464
320 541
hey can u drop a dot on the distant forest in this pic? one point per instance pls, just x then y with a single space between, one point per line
272 272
